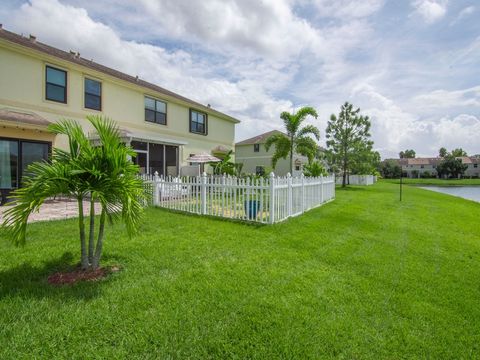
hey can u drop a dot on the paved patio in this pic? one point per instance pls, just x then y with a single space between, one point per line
57 209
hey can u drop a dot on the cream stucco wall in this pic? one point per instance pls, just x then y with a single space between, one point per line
250 159
22 88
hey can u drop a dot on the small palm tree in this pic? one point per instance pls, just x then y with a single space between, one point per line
102 172
297 139
314 169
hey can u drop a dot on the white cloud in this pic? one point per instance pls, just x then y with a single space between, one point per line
347 9
466 12
395 129
459 131
246 27
430 10
449 99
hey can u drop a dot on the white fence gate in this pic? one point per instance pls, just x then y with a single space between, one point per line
261 200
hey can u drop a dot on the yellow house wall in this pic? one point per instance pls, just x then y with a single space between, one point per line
22 87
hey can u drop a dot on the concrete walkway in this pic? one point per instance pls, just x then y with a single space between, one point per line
56 210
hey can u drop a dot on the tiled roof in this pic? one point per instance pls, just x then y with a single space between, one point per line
418 161
260 139
433 161
75 58
466 159
424 161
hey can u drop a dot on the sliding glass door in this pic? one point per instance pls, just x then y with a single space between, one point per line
15 156
33 152
8 164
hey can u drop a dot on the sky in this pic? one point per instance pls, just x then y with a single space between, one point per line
412 66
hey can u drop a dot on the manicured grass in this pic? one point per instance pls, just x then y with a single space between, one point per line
362 277
436 182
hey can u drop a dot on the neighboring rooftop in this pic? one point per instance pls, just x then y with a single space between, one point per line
74 57
433 160
260 139
423 161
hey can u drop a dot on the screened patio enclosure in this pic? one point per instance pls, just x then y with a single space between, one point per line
154 153
153 157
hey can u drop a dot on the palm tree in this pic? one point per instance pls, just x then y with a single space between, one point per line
102 171
297 139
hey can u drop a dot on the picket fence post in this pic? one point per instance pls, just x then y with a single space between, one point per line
203 193
156 189
321 189
272 198
223 194
289 195
303 192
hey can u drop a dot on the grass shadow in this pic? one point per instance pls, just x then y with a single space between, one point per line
244 222
27 281
351 188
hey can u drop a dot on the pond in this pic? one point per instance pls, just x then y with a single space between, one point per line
466 192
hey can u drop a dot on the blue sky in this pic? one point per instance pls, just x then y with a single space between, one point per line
413 66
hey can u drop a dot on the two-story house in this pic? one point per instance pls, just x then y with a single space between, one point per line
40 84
257 160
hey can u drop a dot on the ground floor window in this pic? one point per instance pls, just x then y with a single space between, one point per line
15 156
260 170
154 157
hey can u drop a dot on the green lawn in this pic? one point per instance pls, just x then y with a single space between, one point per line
436 182
361 277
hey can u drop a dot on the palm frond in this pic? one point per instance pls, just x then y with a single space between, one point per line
309 130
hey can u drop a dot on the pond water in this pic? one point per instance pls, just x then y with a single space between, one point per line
466 192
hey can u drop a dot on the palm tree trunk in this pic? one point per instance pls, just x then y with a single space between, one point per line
98 249
91 240
81 226
291 155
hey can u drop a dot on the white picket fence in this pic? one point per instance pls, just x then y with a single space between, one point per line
259 200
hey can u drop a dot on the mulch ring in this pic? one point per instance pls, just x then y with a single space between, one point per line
72 277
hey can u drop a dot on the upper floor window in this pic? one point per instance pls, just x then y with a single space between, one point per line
475 165
56 85
93 94
256 147
155 111
198 122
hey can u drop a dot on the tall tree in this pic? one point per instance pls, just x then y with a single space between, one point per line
451 166
442 152
458 152
407 154
390 169
365 161
102 173
348 138
298 138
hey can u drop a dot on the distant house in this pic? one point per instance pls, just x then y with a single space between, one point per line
257 160
418 167
473 169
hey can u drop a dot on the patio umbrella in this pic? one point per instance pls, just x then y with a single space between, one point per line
202 159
